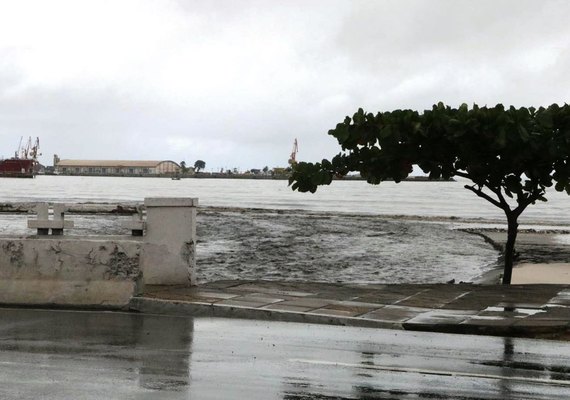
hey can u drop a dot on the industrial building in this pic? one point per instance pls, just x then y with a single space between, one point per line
115 167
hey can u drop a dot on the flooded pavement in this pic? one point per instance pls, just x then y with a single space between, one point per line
296 245
97 355
534 311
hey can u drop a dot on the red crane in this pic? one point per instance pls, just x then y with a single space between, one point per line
293 156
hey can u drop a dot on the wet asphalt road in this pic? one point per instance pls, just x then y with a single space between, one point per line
95 355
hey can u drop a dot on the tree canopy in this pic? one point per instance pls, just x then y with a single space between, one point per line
199 165
510 155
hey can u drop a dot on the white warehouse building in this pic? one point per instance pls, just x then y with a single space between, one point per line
115 167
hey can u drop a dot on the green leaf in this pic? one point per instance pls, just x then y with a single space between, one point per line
501 140
386 132
513 183
523 133
341 133
544 118
359 118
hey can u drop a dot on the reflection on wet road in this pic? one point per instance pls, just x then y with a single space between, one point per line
96 355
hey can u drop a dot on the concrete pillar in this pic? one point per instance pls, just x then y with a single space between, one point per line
43 224
168 256
136 225
58 217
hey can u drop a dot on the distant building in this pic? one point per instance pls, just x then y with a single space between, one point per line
115 167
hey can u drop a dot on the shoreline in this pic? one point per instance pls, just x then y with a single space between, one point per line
542 257
480 224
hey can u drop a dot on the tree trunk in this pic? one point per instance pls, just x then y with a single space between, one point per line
513 227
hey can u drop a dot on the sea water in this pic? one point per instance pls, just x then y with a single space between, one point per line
425 199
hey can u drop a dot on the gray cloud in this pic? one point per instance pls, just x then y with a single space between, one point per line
234 83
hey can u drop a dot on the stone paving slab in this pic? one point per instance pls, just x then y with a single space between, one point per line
516 310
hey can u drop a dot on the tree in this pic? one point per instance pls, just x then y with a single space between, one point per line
183 167
199 165
510 155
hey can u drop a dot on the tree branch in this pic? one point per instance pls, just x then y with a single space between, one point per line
504 205
480 193
521 198
462 174
528 201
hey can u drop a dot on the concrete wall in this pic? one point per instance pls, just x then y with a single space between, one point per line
79 271
101 271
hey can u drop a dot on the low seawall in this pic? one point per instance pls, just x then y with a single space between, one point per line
51 268
96 272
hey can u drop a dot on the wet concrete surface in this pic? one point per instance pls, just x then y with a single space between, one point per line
536 247
514 310
102 355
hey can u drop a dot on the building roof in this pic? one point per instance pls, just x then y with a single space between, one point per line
111 163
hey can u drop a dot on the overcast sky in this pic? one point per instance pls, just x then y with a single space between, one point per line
235 82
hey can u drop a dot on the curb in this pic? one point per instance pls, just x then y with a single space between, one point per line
528 329
181 308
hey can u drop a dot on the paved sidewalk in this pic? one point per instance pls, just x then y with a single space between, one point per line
517 310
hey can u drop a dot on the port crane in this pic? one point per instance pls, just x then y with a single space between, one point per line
293 156
30 151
